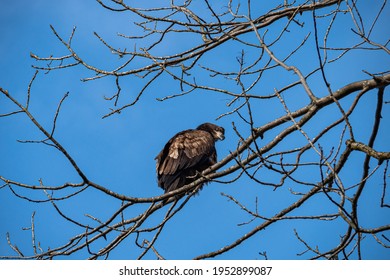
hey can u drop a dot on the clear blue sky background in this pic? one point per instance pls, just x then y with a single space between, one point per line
118 152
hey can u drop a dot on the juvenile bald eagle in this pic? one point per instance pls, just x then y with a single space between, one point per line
186 155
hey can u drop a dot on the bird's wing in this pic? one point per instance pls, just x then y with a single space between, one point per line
184 150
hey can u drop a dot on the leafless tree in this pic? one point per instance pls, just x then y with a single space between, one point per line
293 148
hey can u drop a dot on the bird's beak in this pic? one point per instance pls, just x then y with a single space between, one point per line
220 135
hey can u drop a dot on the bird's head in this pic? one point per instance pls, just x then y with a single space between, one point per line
216 131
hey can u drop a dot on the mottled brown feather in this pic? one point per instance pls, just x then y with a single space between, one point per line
186 154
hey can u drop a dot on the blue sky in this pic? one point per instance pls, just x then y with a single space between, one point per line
118 152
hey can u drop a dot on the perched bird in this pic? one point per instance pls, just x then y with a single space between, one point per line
186 155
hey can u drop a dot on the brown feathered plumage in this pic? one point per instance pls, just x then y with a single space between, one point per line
186 155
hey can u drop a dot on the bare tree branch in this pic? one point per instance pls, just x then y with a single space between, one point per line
293 132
